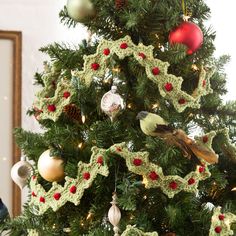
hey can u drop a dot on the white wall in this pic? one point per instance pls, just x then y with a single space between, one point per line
39 22
223 22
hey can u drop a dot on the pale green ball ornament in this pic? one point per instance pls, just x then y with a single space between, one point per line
80 10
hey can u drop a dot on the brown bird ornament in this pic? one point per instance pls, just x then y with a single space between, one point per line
154 125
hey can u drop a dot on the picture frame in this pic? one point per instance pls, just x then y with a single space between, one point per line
11 70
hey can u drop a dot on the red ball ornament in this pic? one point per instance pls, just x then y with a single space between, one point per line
189 34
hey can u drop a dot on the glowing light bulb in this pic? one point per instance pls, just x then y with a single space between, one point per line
80 145
83 119
89 216
233 189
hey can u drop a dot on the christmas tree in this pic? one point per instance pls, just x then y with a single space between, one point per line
134 125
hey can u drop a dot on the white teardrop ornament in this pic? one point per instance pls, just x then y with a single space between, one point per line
20 172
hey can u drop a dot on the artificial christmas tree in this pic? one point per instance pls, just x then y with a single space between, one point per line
88 107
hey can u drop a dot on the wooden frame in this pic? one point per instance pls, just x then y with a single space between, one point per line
16 38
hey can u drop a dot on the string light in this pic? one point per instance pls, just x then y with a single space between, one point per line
89 216
155 105
83 119
194 67
233 189
129 105
80 145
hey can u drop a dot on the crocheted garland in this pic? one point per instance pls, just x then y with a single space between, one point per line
153 177
169 85
220 223
228 147
52 107
73 189
220 226
137 162
132 230
55 95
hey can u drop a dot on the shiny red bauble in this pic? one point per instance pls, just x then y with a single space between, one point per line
189 34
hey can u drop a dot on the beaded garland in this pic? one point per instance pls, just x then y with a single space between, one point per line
220 223
169 85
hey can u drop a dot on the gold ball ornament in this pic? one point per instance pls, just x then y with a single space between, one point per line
51 168
80 10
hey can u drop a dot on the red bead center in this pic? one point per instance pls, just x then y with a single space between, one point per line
168 87
218 229
191 181
106 51
141 54
95 66
156 71
205 139
100 160
66 94
42 199
137 162
86 175
57 196
123 45
51 108
221 217
182 101
173 185
201 169
73 189
153 175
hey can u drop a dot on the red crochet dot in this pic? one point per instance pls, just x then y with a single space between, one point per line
182 101
42 199
221 217
191 181
73 189
156 71
205 139
141 54
118 149
86 175
100 160
66 94
204 83
168 87
51 108
123 45
201 169
173 185
106 51
137 162
57 196
218 229
153 175
33 194
33 177
95 66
